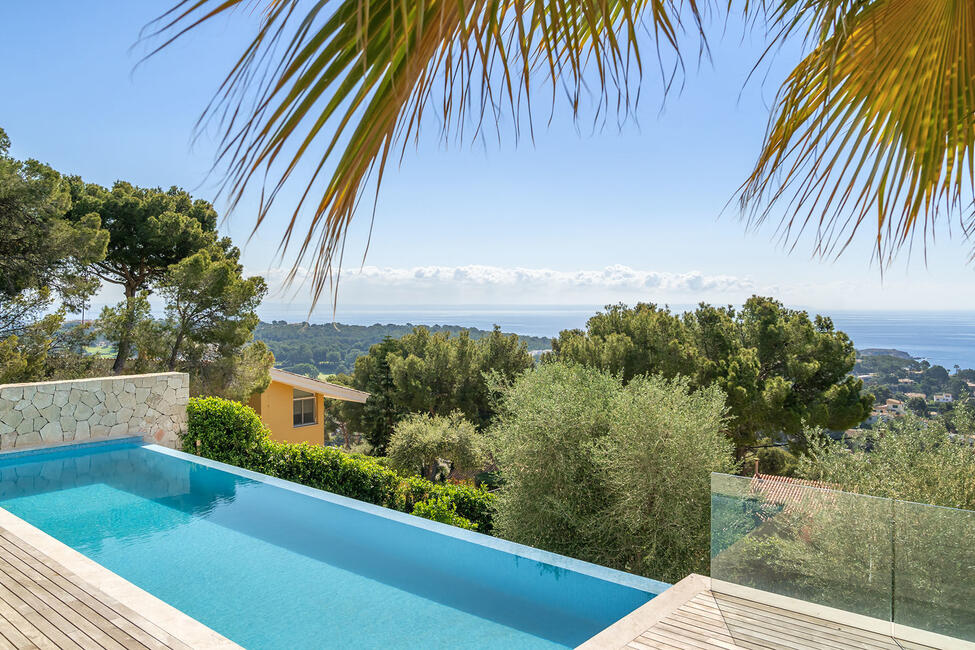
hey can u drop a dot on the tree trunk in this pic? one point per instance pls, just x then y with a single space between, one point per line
125 341
123 354
175 352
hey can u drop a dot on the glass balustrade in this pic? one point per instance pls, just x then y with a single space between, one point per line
908 563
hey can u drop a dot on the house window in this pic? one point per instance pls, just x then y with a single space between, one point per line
304 407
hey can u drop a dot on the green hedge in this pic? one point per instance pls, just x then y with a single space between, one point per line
230 432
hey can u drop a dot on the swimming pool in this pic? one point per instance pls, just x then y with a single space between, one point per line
272 564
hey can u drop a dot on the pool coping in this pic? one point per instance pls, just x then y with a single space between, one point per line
631 626
47 448
174 622
615 576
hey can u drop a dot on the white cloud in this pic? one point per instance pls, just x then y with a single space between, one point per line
516 285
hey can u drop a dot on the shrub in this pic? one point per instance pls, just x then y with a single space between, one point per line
470 503
224 430
613 474
772 460
907 458
233 433
420 442
442 509
473 504
332 470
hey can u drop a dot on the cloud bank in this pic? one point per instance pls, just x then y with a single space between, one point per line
518 285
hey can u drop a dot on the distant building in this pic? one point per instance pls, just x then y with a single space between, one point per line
943 398
905 381
913 395
792 494
292 406
853 434
895 407
892 408
879 414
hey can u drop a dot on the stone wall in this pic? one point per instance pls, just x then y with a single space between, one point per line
52 412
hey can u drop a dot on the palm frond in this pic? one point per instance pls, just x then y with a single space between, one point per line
875 127
347 82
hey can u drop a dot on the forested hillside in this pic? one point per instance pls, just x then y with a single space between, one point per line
333 348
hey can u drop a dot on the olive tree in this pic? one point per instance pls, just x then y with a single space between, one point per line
907 458
420 442
610 473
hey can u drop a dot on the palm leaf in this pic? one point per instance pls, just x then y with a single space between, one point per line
875 127
347 82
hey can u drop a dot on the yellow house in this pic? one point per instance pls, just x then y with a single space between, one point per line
291 406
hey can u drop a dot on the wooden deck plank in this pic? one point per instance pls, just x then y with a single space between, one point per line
692 638
72 607
6 644
735 640
636 645
45 605
130 629
36 612
12 635
86 625
124 633
704 620
733 603
690 618
64 618
803 629
19 624
657 644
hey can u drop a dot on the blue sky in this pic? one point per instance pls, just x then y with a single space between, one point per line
574 217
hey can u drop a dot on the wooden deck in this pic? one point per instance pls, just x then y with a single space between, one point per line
691 616
44 604
711 620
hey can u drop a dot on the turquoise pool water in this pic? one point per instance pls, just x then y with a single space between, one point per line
270 564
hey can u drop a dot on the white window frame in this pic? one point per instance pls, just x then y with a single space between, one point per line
303 397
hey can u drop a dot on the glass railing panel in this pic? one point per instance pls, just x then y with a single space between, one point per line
934 580
822 546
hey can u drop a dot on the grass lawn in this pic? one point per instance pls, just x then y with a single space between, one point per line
102 350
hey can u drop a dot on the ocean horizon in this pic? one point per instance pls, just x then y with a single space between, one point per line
944 338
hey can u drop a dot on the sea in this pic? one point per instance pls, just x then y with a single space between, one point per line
944 338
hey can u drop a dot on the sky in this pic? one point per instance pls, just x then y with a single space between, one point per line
574 216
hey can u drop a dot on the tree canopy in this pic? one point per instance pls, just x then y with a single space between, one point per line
208 327
149 230
39 247
43 258
433 373
905 458
334 347
420 442
64 237
610 473
779 369
209 302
